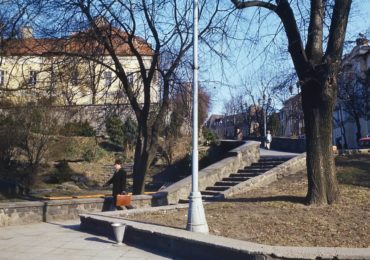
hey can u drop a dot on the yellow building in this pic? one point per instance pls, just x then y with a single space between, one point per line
72 70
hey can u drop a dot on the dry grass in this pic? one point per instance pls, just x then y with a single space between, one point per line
276 215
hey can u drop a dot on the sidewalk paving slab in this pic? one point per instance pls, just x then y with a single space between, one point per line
64 240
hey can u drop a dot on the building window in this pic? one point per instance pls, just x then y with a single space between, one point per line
32 80
130 79
2 78
108 78
74 77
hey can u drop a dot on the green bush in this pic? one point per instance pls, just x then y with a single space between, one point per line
62 174
92 154
78 129
114 128
130 131
121 133
10 137
209 136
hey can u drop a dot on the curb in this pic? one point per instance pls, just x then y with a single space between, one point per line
190 245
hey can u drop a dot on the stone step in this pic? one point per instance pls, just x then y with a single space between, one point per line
252 171
263 165
227 183
270 159
217 188
204 198
266 163
236 179
249 175
183 201
210 192
258 168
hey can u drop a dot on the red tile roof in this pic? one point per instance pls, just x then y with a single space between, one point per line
81 43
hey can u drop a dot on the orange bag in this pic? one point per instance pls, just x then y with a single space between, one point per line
123 200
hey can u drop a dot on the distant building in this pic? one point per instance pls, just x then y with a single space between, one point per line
353 105
55 69
225 125
291 118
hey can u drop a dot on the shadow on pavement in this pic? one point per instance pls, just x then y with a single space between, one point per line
96 239
292 199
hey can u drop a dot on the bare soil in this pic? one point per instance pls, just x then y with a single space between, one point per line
277 215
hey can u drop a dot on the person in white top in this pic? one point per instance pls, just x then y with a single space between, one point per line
268 140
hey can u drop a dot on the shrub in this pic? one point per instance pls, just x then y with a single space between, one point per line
92 154
78 129
130 132
62 173
114 128
209 136
9 138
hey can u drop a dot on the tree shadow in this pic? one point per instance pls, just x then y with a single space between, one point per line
110 147
356 170
281 198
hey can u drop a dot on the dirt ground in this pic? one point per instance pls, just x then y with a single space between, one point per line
277 215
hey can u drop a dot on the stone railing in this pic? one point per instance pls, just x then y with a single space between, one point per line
289 167
238 158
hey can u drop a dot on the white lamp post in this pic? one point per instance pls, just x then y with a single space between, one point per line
196 216
265 104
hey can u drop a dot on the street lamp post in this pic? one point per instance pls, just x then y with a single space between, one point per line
265 104
196 216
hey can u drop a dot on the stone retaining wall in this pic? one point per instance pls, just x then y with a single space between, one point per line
94 114
238 158
19 213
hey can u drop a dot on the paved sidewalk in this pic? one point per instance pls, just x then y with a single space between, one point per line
274 153
63 240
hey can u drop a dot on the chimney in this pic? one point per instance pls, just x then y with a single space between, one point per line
26 32
101 22
361 40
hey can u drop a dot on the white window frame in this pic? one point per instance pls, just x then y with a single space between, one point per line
108 78
32 77
2 77
74 77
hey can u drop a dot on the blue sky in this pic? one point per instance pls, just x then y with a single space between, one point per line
251 65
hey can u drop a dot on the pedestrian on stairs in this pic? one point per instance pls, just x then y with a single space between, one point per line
268 140
238 134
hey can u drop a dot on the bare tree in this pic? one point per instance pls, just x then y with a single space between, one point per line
353 95
106 27
317 71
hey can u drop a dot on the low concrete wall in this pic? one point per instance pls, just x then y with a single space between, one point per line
289 167
183 244
238 158
19 213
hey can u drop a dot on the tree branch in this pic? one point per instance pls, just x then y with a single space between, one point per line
337 29
242 5
315 32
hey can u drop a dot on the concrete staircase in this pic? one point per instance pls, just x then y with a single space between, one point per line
263 165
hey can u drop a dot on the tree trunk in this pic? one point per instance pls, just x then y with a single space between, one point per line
143 157
318 102
358 127
343 129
